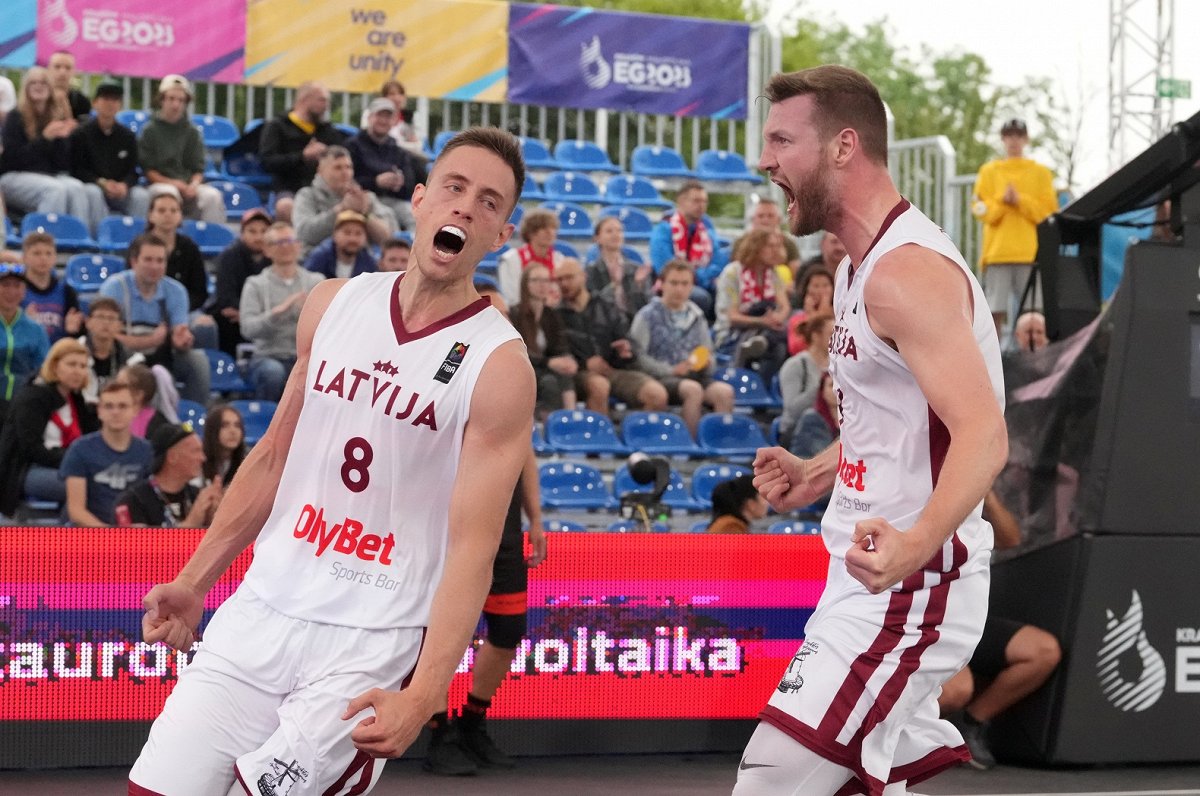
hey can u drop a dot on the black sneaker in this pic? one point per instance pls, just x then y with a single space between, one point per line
480 747
446 756
974 733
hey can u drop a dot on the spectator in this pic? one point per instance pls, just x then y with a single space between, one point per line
25 341
291 145
1012 196
614 277
735 504
106 354
1029 332
820 426
539 230
36 156
598 334
168 499
752 305
46 416
828 259
155 309
185 263
766 217
171 152
62 79
545 339
672 341
270 309
382 166
816 298
103 464
148 414
241 260
104 157
345 253
224 444
688 234
394 255
402 132
48 300
332 191
8 98
801 374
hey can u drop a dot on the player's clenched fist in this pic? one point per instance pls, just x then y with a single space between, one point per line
172 615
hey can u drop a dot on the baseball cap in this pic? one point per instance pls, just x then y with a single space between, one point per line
255 214
12 270
381 104
348 216
1016 126
166 438
175 81
109 88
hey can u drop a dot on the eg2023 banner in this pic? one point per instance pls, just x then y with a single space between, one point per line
152 38
583 58
457 49
18 23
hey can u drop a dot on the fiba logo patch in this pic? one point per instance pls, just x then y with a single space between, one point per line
63 29
451 363
596 72
1122 636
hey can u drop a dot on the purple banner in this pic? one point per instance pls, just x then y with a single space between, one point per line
584 58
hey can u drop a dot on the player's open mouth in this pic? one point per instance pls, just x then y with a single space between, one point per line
449 240
787 192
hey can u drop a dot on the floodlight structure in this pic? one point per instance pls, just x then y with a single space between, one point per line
1141 86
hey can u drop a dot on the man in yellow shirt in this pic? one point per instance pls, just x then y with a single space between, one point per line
1012 196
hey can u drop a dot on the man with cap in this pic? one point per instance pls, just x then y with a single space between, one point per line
23 341
290 145
168 498
104 156
239 261
345 253
380 165
172 151
1012 196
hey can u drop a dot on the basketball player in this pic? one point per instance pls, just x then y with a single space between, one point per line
375 503
917 367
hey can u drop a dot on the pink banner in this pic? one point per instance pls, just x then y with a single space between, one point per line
204 41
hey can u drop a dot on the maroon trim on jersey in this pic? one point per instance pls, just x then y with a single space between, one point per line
851 788
362 762
816 740
888 220
241 781
137 790
403 335
930 765
939 444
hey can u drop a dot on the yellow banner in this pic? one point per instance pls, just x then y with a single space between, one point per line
457 49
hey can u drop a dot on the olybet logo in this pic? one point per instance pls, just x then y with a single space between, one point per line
1121 636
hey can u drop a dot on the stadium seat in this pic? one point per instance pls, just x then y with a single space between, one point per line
568 485
440 140
517 214
636 222
218 132
676 495
345 129
584 156
245 167
70 233
87 272
532 192
730 435
582 431
134 120
716 165
539 442
191 412
115 232
536 154
773 434
11 238
562 525
252 125
571 186
223 373
748 388
566 249
239 197
658 161
707 476
635 526
658 432
799 527
700 526
631 254
629 189
573 220
256 416
211 238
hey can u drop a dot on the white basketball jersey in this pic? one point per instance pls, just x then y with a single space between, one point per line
892 443
357 535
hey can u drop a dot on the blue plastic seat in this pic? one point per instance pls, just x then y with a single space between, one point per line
11 238
631 254
245 167
440 140
707 476
70 233
658 161
345 129
636 222
635 526
629 189
730 435
191 412
224 376
571 186
658 432
562 525
239 197
773 434
256 417
252 125
582 431
700 526
536 154
566 249
518 213
573 220
568 485
218 132
532 192
134 120
748 388
579 155
676 496
539 440
211 238
717 165
115 232
87 272
798 527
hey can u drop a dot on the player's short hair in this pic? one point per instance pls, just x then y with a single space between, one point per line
844 98
36 238
677 265
500 143
142 241
536 220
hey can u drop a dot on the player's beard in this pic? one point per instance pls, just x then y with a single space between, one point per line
815 204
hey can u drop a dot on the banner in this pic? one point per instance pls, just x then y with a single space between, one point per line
18 18
453 49
583 58
149 38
